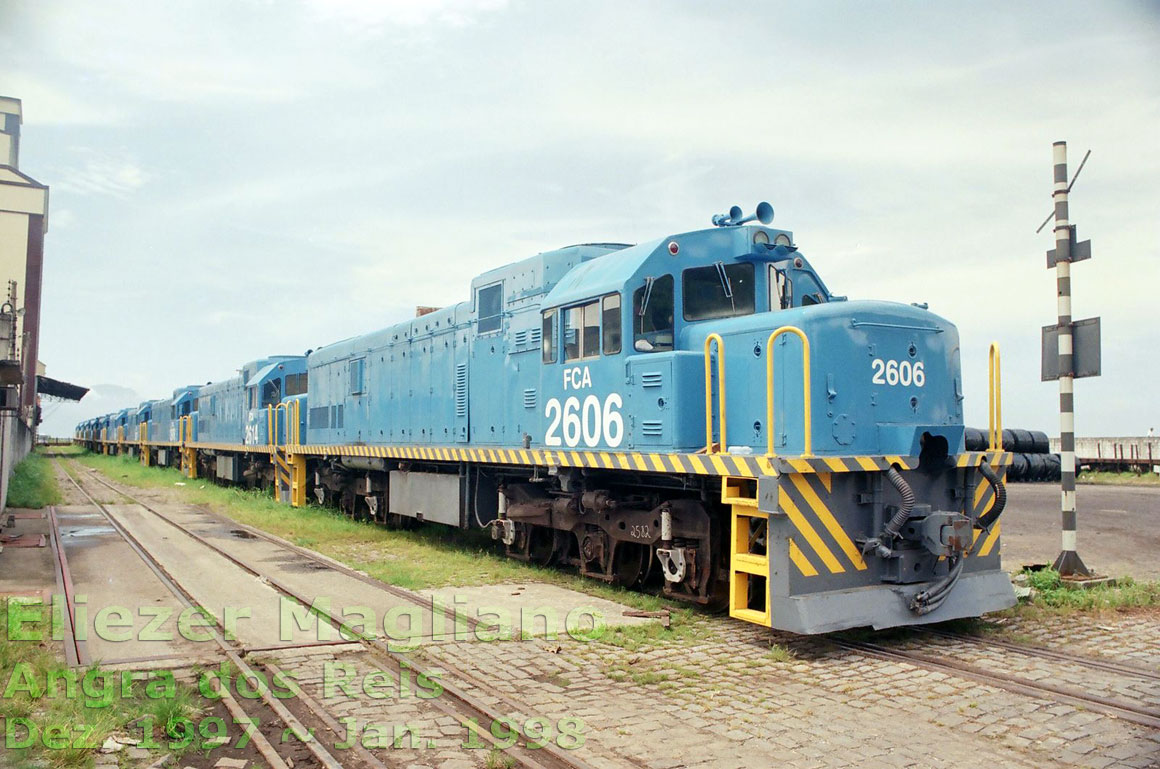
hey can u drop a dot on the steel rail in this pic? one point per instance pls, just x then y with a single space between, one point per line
1126 711
260 742
76 652
330 563
1034 650
477 712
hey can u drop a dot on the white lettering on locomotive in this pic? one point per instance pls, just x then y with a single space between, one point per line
585 423
577 378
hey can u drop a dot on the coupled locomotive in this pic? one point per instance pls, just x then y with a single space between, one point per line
698 411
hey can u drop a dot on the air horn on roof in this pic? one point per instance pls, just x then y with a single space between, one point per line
764 214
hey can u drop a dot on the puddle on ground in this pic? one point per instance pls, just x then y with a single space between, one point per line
85 532
305 564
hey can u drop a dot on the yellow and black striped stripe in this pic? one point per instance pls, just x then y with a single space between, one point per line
819 543
984 500
740 465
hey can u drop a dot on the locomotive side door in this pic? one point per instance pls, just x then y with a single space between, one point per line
462 401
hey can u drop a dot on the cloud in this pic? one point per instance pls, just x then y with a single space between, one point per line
102 172
372 16
303 172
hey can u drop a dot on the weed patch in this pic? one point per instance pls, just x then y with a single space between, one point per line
1100 477
1053 593
33 483
59 716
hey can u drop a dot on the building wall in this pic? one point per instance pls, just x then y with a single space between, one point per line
23 223
15 443
13 260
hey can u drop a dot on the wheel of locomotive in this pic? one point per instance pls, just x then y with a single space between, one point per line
630 563
544 545
535 544
593 551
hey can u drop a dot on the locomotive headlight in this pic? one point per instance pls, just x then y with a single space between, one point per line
782 240
761 237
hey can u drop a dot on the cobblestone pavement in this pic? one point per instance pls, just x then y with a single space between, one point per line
399 723
736 699
1140 690
720 693
733 697
1129 637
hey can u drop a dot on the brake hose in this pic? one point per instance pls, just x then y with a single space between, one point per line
986 520
880 544
932 598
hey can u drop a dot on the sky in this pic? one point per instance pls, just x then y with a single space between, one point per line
232 179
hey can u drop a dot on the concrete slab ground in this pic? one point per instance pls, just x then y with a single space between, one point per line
224 589
124 611
497 608
534 607
27 571
1119 528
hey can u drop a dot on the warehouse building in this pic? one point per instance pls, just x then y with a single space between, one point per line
23 224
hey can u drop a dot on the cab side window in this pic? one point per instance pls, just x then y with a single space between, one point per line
809 292
272 392
780 290
652 313
296 384
611 324
582 331
548 337
489 305
357 371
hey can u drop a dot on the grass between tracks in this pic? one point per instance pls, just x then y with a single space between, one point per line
58 716
33 483
428 557
62 450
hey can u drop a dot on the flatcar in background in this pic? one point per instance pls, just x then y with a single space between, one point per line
698 411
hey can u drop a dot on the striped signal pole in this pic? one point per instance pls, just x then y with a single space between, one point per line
1068 563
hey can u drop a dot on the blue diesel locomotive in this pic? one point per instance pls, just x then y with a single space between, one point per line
699 411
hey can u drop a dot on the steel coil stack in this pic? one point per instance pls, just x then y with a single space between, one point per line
1033 460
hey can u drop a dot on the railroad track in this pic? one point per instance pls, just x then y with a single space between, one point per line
1043 652
322 756
1118 708
467 708
76 651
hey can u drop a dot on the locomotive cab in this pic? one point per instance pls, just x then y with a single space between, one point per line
270 382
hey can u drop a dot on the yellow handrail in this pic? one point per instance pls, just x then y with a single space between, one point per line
297 423
709 391
270 425
805 385
995 399
279 407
